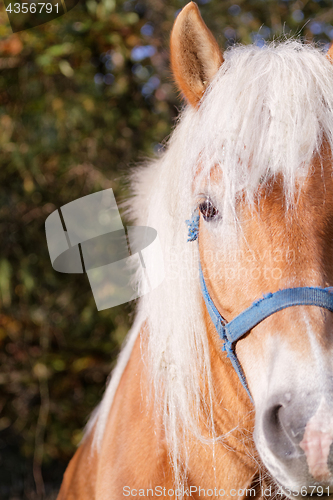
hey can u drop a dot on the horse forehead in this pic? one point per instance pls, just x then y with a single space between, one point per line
311 209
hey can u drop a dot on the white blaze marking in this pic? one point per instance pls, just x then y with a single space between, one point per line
317 439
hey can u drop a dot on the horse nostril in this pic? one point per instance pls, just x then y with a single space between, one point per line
283 426
277 430
272 421
275 415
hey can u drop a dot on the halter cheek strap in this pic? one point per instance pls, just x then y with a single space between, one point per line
258 311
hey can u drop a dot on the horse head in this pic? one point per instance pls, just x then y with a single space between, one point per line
262 182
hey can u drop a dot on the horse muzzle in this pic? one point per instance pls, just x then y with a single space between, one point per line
296 444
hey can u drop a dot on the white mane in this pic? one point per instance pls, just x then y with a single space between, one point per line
265 113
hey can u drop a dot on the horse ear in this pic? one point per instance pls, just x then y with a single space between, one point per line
329 54
195 54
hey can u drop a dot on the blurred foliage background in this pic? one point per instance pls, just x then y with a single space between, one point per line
81 99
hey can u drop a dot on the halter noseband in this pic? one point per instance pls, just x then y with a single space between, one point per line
258 311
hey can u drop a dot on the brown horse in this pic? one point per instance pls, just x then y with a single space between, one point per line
253 153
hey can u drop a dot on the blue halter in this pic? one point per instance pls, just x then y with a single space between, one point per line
258 311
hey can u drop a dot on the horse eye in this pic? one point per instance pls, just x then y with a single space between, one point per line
209 212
